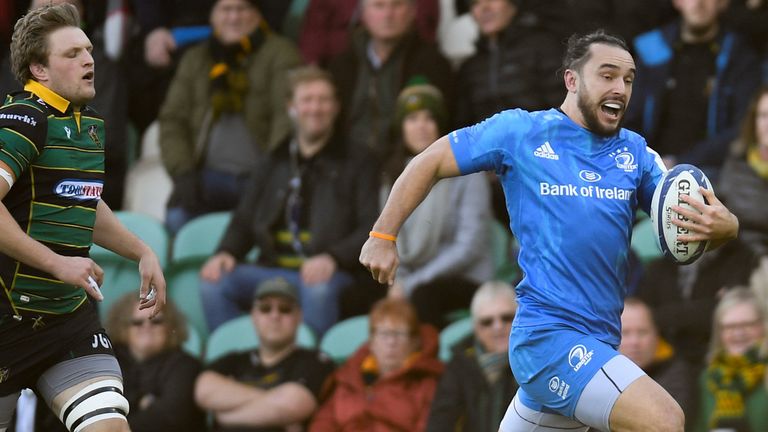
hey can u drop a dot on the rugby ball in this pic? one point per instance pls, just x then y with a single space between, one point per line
681 180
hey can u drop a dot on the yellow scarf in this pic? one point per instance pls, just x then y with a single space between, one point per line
731 379
757 163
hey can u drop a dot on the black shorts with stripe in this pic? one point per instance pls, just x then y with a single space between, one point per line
30 346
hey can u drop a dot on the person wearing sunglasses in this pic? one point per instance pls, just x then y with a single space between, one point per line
478 384
157 374
274 387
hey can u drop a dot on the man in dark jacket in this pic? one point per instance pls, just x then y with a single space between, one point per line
515 65
478 385
384 56
694 82
307 210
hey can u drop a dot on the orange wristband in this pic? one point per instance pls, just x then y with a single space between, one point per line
382 236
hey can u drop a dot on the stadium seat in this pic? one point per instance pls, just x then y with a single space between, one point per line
644 241
503 261
344 338
239 335
194 344
453 333
121 276
183 279
200 237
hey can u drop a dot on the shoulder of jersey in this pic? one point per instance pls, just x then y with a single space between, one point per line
25 114
632 136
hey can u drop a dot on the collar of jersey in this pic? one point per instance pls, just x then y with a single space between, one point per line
49 96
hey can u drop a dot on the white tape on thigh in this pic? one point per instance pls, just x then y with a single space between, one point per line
98 401
7 177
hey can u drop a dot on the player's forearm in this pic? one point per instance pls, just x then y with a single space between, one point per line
109 233
18 245
415 183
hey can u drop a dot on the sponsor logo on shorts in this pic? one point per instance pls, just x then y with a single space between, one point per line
579 356
558 386
81 190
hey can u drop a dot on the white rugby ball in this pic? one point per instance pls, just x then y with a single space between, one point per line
681 180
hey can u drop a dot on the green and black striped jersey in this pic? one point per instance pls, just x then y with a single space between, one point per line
57 157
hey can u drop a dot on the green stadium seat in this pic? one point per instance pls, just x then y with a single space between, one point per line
194 343
200 237
453 333
501 239
344 338
121 276
183 279
644 241
239 335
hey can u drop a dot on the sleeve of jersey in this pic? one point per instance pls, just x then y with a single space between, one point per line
23 130
653 170
488 145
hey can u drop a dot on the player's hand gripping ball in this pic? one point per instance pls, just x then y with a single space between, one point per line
681 180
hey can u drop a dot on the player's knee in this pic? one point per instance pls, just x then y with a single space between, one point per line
100 406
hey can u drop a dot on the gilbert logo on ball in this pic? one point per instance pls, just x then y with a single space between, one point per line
681 180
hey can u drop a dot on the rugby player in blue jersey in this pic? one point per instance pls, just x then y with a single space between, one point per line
573 180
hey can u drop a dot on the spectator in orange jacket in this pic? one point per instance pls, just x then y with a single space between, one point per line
389 383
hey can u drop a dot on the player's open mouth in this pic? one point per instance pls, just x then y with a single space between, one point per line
612 109
88 76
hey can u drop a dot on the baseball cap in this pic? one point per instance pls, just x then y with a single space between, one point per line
278 286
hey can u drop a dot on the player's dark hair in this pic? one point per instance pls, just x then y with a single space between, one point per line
577 53
29 43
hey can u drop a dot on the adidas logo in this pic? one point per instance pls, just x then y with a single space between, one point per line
545 151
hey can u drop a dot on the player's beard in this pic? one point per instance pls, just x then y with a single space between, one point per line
589 114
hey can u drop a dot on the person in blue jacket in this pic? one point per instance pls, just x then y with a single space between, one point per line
694 81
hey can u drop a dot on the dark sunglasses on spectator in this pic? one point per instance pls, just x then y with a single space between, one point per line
154 321
282 308
488 321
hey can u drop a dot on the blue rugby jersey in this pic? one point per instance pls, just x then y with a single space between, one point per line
571 197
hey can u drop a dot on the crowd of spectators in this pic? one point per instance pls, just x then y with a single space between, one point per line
298 115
